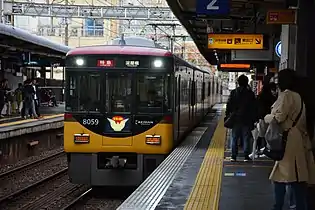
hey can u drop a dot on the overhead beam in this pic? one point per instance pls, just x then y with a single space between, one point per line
86 11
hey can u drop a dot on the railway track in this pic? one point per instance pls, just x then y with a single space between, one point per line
22 177
52 192
49 191
31 165
11 197
81 198
99 198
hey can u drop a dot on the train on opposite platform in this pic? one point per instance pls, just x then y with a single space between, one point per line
127 107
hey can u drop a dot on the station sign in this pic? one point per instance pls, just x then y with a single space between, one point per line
213 7
278 49
286 16
234 67
273 70
236 41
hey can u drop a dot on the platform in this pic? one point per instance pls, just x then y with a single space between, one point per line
49 121
44 110
205 179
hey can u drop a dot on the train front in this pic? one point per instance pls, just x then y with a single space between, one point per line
118 119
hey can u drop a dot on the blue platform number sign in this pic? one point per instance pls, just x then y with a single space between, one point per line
278 49
213 7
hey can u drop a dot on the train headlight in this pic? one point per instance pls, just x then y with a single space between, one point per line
153 139
81 138
79 61
158 63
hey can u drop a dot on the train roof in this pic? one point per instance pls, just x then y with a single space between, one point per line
127 50
119 50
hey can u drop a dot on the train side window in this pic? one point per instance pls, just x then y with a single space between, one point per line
72 93
193 93
203 91
209 88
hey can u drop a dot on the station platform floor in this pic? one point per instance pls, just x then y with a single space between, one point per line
52 118
208 180
44 110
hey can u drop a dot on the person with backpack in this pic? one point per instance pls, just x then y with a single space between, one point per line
294 165
241 116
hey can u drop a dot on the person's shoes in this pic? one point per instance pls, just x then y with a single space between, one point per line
246 159
251 156
292 206
233 159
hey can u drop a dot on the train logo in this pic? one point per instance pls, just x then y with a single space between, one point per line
117 123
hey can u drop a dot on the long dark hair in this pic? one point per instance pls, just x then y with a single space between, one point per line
287 79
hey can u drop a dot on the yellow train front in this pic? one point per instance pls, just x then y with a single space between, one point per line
127 107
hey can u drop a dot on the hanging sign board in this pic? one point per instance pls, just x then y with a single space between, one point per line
281 16
234 67
235 41
213 7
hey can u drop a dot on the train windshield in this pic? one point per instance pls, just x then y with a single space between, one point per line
153 93
84 91
118 92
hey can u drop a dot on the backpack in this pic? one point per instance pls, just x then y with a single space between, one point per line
276 138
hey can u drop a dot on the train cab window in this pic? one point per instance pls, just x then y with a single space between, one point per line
79 85
153 93
118 96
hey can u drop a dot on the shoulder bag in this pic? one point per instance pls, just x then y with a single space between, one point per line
276 138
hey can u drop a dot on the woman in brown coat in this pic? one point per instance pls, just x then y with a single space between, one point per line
297 166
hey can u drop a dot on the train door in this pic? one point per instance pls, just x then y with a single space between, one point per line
118 100
203 95
193 100
176 106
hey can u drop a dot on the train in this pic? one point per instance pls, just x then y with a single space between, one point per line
127 106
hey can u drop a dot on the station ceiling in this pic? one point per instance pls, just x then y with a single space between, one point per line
244 15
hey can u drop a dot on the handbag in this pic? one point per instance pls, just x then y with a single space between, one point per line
230 120
276 138
262 128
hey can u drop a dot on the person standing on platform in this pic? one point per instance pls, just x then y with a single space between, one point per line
297 167
241 111
2 97
36 97
265 100
19 97
28 100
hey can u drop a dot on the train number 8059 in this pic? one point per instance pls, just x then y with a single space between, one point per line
90 121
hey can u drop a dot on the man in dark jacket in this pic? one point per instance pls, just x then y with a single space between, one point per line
242 104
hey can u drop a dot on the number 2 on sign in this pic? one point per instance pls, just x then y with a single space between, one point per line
211 6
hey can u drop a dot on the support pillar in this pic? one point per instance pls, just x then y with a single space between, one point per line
305 42
305 52
288 47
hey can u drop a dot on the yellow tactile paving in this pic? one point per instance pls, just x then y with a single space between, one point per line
30 120
205 194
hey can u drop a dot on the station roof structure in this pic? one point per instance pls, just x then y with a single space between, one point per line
241 16
15 42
